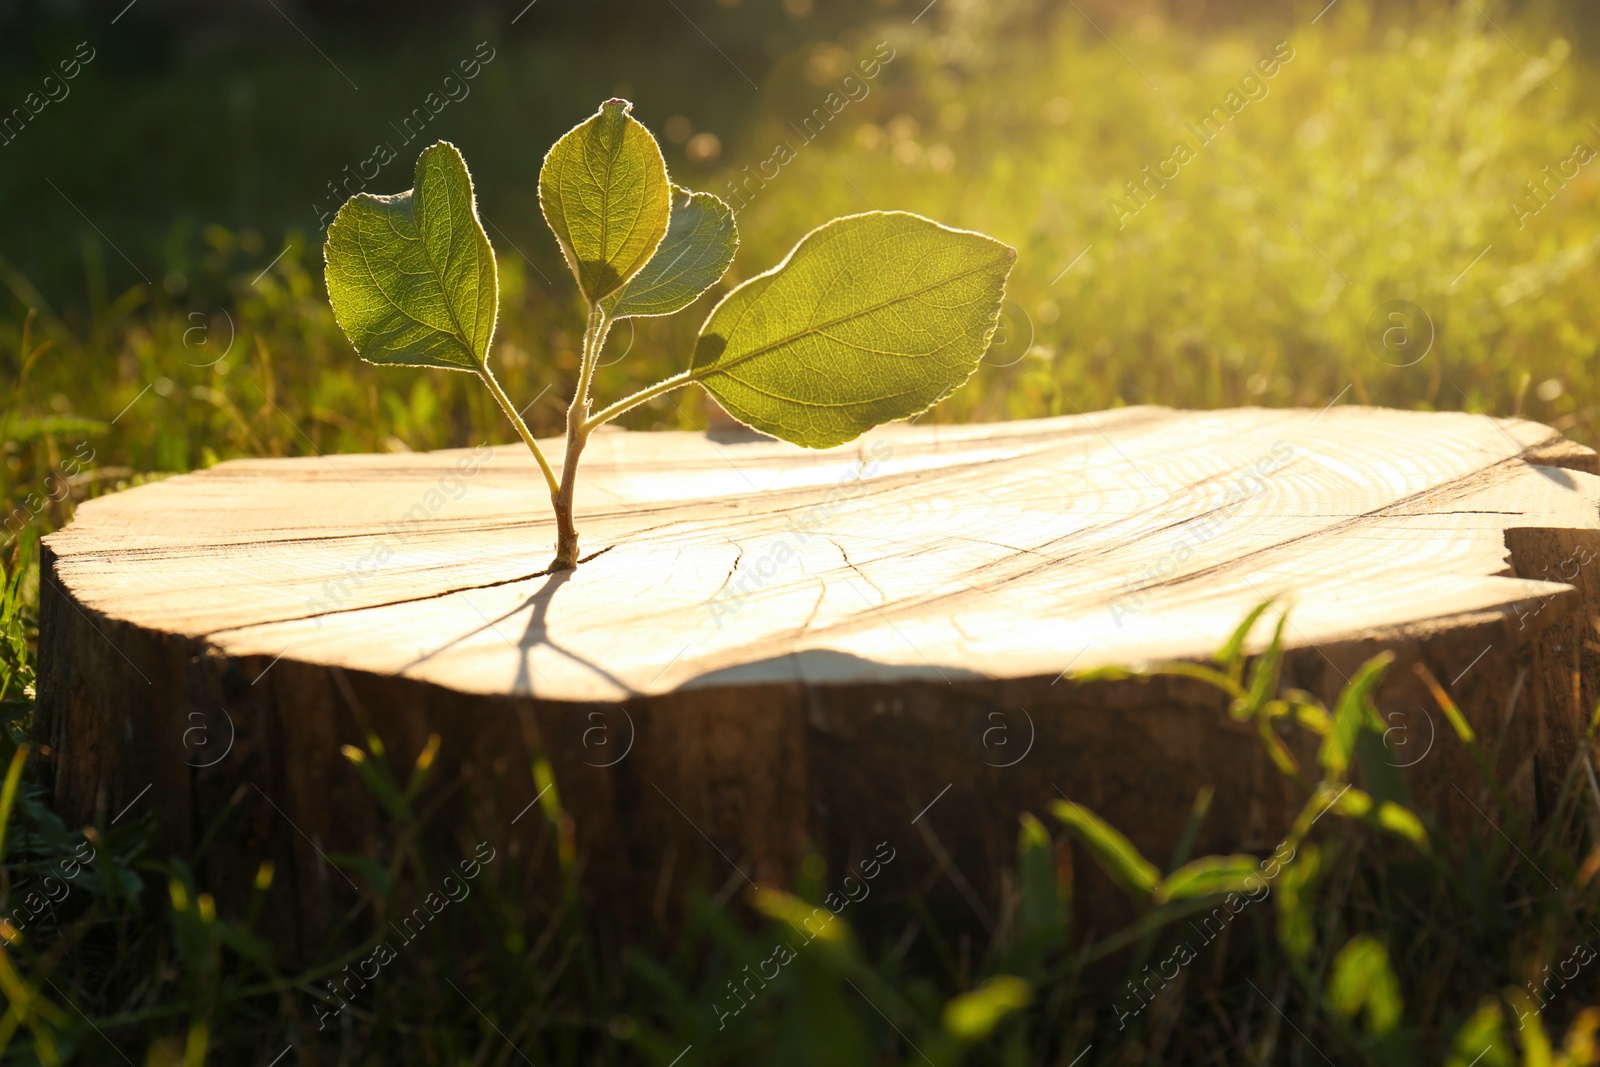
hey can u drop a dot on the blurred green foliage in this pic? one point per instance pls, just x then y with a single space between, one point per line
1381 164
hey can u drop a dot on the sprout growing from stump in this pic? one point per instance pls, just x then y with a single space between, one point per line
869 319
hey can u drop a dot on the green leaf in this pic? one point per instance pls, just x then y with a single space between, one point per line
1199 672
869 319
1353 711
1042 909
1231 654
1103 674
1380 774
1296 896
1536 1050
1191 826
8 792
973 1016
1402 821
808 920
1353 803
1209 875
1263 677
412 277
603 189
698 247
1363 979
1115 853
1481 1041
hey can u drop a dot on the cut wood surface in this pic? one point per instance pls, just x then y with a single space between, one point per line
806 647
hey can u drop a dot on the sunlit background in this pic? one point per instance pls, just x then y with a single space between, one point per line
1215 203
163 209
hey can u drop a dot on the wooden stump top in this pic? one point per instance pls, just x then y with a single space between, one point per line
925 552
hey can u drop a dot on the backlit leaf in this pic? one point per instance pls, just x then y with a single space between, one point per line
1296 897
1231 654
1115 853
1580 1048
412 277
1536 1050
808 920
1363 979
1353 803
1402 821
869 319
1481 1041
699 246
973 1016
1263 677
603 189
1212 874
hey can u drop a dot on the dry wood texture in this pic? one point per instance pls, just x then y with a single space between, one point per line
772 649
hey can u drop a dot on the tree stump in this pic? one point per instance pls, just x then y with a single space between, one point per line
770 650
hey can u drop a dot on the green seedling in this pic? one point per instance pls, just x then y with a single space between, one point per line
869 319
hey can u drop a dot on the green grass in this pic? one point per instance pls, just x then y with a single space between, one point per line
1378 167
1366 936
